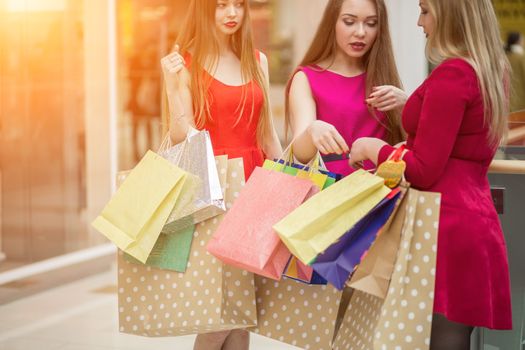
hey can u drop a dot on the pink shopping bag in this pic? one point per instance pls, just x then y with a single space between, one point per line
245 237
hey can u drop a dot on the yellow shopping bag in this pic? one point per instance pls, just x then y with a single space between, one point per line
324 218
135 215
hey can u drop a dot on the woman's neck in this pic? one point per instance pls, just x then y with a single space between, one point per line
345 65
224 44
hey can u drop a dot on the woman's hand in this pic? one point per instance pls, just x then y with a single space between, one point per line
386 98
172 65
365 148
326 138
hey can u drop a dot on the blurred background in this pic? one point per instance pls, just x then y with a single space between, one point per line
79 100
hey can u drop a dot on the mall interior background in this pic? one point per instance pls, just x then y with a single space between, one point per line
79 100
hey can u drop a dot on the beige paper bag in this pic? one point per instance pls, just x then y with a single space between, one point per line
297 313
373 273
403 319
208 297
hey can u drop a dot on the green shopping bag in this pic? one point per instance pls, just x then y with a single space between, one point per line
135 215
171 251
324 218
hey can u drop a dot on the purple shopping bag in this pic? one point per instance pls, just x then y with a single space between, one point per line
337 263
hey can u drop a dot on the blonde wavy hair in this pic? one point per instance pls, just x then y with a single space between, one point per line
469 29
198 34
379 61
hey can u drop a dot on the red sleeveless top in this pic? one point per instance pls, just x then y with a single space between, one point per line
231 134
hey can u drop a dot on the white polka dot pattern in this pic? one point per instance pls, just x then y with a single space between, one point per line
403 319
208 297
296 313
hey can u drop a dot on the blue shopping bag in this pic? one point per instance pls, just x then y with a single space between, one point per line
337 263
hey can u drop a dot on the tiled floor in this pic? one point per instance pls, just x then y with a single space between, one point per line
83 316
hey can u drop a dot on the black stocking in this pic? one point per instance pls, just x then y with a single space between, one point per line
449 335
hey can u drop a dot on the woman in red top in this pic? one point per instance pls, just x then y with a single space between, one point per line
219 82
455 121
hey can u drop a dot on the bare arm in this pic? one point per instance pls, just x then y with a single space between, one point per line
271 145
177 80
310 134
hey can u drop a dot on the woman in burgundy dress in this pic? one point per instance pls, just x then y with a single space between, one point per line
455 121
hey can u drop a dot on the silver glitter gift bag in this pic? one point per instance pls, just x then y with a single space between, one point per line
195 155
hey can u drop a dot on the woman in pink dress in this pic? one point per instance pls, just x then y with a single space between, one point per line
455 121
349 59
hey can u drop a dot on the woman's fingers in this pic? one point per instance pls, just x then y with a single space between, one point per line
386 105
341 142
333 147
173 62
379 91
321 147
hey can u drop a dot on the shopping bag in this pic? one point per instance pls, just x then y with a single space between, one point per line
296 313
171 250
316 177
295 269
324 218
245 237
208 297
315 170
338 262
373 273
195 155
403 319
135 215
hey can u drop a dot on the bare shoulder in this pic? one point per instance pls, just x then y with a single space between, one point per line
263 58
263 62
300 79
300 86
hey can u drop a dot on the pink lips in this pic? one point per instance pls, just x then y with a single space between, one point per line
359 46
230 24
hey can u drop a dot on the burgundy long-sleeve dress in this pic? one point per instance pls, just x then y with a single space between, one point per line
449 152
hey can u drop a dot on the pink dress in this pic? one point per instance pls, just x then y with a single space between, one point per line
340 101
449 153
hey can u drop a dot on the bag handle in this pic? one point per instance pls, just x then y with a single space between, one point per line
167 143
314 165
398 154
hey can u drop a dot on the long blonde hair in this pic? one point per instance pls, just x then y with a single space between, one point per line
379 61
199 34
469 29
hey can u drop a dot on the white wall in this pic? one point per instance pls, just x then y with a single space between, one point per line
100 105
300 19
409 42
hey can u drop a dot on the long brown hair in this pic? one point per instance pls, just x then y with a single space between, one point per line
469 29
379 61
199 35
